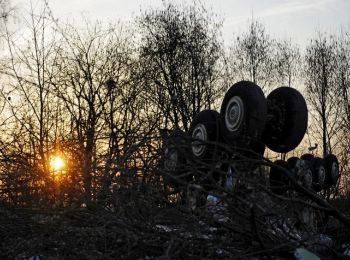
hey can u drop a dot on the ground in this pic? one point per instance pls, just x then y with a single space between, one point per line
140 230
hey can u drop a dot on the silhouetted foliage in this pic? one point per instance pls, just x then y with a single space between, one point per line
98 95
182 50
320 75
251 57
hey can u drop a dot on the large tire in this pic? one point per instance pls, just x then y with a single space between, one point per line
243 115
292 166
332 170
318 174
307 156
203 129
288 116
278 179
304 171
292 161
257 149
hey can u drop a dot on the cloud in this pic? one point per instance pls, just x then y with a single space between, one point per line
286 8
294 6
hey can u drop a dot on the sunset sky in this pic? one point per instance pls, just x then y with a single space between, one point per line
297 19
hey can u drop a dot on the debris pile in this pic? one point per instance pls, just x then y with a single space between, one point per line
244 222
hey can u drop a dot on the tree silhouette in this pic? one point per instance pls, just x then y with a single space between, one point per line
182 51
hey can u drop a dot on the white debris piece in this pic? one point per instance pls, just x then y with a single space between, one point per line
347 250
230 178
285 229
303 254
164 228
215 205
217 208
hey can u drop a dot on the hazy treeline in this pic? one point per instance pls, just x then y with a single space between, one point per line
97 95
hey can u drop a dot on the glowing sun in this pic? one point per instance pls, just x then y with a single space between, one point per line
57 163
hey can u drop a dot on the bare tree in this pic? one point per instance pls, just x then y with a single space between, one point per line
343 73
7 11
287 62
100 96
180 50
320 77
251 56
342 82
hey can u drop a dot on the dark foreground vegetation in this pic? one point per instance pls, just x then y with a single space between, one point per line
97 96
144 223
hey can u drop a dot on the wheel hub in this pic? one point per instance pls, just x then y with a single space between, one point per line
234 113
307 180
334 171
201 135
321 175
